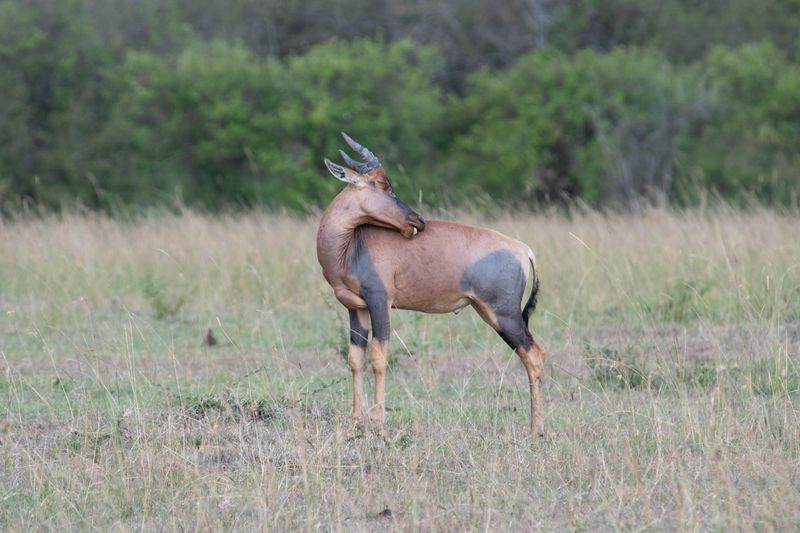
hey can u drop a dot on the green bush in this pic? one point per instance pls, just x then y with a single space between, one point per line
149 103
749 146
603 127
217 126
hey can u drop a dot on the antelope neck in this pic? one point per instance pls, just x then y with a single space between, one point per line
336 235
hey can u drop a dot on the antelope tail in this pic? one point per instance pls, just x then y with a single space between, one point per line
530 306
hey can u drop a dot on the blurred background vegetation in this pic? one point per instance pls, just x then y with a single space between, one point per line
121 104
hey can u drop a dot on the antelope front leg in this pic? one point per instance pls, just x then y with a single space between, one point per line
380 360
359 331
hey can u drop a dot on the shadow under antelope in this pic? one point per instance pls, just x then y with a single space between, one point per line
378 254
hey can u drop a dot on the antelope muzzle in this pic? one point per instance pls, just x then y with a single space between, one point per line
415 224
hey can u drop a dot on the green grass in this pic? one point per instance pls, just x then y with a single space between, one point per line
672 393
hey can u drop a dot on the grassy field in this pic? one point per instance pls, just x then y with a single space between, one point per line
672 395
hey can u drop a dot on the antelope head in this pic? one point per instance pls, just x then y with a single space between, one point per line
371 193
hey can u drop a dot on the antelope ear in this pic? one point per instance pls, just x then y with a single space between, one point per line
344 174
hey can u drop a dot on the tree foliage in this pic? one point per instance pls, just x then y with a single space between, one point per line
606 127
750 144
142 102
216 125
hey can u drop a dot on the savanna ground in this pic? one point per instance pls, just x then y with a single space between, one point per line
671 392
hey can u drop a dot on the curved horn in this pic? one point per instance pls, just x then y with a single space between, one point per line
369 157
358 166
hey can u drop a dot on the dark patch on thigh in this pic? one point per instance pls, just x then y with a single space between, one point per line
499 281
358 331
360 265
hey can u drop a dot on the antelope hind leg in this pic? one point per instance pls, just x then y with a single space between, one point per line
533 359
515 332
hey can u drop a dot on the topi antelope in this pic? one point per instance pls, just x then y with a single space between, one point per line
376 256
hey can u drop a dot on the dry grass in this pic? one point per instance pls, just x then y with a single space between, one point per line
672 393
